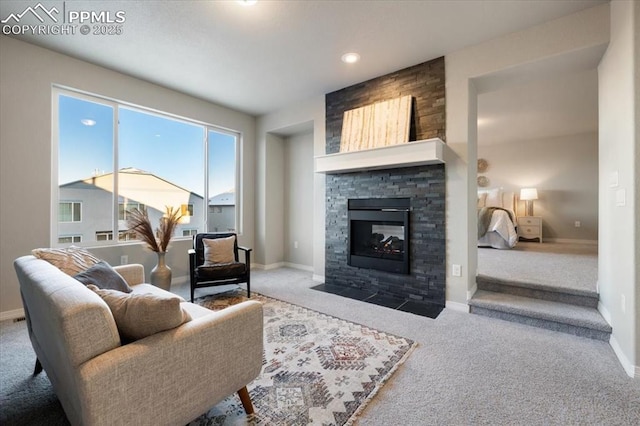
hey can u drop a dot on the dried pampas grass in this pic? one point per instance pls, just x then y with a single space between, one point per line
158 241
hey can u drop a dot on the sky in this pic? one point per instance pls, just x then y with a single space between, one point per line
170 149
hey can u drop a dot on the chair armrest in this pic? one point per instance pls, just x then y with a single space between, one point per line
247 255
133 273
196 365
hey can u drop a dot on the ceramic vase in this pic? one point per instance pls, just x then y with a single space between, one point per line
161 273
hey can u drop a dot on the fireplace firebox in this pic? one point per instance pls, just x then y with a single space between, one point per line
379 234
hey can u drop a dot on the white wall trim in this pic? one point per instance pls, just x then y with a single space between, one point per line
571 241
318 278
604 312
457 306
298 266
10 315
632 370
472 291
184 279
267 267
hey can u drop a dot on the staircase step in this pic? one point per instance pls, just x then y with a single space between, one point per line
539 291
567 318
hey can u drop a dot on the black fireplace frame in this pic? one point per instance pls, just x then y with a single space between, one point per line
394 210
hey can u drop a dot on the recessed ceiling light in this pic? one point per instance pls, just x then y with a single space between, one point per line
350 58
247 2
88 122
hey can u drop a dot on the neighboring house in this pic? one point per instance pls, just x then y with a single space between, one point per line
222 212
83 204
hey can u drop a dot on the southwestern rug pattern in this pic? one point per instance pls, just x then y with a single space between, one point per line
317 369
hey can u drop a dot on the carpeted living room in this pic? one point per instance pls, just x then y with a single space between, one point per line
292 213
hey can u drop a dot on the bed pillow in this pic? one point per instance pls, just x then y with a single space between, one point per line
494 198
508 199
219 250
102 275
482 199
71 260
140 315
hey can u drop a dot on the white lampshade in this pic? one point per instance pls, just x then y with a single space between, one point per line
527 194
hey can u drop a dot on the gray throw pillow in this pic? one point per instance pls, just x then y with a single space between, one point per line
102 275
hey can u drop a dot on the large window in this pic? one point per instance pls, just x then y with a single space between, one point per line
113 158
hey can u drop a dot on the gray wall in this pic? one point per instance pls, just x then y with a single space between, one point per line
565 172
619 240
298 199
27 73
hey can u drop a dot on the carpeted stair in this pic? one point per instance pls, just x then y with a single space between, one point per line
566 310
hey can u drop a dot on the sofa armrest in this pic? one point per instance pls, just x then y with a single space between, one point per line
133 273
174 376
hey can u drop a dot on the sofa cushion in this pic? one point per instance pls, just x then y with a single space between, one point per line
102 275
219 250
71 260
141 315
220 271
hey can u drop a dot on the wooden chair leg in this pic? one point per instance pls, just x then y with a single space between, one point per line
246 400
38 368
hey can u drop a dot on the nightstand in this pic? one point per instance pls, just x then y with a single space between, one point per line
530 228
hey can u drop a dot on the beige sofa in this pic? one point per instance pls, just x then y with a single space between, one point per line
168 378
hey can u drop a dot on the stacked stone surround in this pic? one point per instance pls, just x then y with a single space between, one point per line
423 185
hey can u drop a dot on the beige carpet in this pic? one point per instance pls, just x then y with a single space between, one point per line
573 266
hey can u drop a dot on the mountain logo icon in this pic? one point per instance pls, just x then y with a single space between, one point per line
38 11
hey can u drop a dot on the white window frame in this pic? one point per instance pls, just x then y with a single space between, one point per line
73 203
73 238
116 104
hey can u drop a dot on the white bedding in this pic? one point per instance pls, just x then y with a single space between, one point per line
501 233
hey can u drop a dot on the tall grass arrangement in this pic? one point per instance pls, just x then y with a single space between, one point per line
158 241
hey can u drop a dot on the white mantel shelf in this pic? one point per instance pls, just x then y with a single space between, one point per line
410 154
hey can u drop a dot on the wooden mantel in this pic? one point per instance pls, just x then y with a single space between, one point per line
410 154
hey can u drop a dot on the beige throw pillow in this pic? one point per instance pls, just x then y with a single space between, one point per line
71 260
219 250
141 315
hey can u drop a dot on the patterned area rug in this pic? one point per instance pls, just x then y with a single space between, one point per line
317 369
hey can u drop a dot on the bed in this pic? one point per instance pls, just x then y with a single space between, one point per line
496 219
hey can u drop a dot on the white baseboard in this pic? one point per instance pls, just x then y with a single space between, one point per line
571 241
298 266
318 278
471 292
457 306
180 280
10 315
267 267
604 312
632 371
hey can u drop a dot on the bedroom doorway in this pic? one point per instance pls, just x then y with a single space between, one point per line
540 131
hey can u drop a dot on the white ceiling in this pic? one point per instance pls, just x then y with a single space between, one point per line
261 58
566 104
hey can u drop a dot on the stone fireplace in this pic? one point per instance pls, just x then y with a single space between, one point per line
396 206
